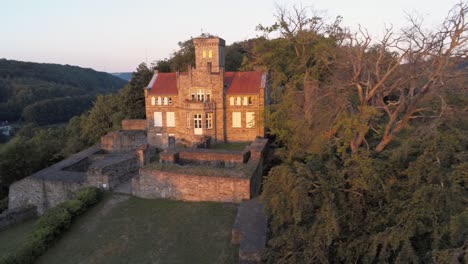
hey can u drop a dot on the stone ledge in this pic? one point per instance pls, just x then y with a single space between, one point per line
17 215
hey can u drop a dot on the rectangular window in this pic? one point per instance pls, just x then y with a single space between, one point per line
208 96
197 121
250 119
209 120
200 95
170 119
246 101
157 119
236 119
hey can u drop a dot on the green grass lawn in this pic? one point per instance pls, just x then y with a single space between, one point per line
12 237
123 229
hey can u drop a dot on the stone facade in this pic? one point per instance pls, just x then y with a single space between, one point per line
205 102
123 140
134 124
203 175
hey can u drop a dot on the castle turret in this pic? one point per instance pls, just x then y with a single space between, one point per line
209 53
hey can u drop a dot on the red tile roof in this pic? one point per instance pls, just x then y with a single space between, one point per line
237 83
165 83
243 82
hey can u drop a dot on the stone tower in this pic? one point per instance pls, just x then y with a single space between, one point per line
209 53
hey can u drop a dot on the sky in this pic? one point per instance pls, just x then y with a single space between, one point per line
117 35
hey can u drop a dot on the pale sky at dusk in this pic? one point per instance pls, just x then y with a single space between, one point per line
116 35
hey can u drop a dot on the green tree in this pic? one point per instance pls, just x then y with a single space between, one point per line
132 95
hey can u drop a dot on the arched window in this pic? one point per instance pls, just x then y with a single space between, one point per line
153 100
159 100
165 101
238 100
231 101
170 100
210 54
245 102
250 100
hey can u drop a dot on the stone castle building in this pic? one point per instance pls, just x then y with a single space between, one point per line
206 103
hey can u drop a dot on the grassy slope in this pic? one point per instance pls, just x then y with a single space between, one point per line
12 237
133 230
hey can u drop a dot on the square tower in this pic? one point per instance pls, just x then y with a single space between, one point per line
209 53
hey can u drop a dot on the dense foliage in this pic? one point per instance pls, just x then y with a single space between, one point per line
51 225
375 152
64 90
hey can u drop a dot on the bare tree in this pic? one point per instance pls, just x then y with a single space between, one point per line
396 74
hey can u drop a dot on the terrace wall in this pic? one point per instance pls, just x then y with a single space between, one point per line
178 186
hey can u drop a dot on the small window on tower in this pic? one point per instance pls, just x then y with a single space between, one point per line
193 96
204 54
210 54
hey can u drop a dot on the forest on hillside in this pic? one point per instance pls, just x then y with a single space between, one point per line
49 93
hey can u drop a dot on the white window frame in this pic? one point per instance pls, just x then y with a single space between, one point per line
159 100
165 102
209 120
236 119
245 101
170 100
170 119
153 100
158 119
231 101
238 100
250 119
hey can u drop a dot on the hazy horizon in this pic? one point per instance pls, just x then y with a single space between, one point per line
115 36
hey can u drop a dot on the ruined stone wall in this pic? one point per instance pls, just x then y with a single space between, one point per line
41 193
17 215
126 140
213 157
110 172
134 124
169 185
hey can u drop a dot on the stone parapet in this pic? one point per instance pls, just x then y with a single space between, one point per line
134 124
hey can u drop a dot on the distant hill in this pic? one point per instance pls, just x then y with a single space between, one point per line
123 75
49 93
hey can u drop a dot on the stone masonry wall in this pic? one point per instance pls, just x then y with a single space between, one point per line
110 172
134 124
213 157
123 140
16 215
159 184
41 193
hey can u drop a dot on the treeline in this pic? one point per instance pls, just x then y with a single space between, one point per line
373 137
23 84
56 110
